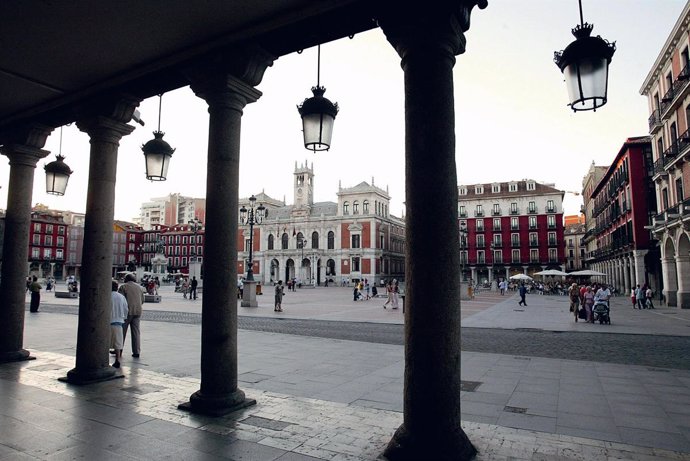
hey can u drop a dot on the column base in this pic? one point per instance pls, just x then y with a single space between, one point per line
671 298
16 356
92 376
683 299
216 405
404 446
249 294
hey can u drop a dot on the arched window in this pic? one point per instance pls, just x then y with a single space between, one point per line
270 241
331 240
301 242
365 207
314 239
355 207
285 240
346 208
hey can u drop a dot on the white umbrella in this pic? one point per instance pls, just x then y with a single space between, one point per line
520 277
551 272
586 272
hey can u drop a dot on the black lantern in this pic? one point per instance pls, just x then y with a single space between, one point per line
318 115
157 152
252 217
585 65
57 175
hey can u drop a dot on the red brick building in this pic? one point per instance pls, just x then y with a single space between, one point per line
48 240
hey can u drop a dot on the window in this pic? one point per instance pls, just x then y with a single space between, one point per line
478 189
355 264
284 241
463 257
184 240
270 241
59 254
553 255
498 257
497 224
531 207
47 253
463 190
552 238
61 241
515 256
35 253
355 241
534 256
49 240
496 188
479 211
355 207
497 209
480 257
480 241
532 222
480 225
365 207
679 190
550 207
49 228
515 240
37 240
513 187
331 240
533 241
61 230
37 227
246 247
550 220
346 208
664 198
513 208
463 213
531 186
571 253
498 241
314 239
514 224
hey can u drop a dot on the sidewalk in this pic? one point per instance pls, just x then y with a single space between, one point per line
342 400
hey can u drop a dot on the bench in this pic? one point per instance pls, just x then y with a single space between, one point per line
66 294
152 298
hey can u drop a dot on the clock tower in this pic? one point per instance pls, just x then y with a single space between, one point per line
304 185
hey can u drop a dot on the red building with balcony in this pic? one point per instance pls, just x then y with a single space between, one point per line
624 201
509 228
47 244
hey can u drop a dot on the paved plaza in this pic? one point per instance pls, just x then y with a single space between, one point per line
332 399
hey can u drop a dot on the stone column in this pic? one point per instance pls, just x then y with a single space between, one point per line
226 95
683 276
427 40
23 148
106 124
668 272
474 273
639 266
626 275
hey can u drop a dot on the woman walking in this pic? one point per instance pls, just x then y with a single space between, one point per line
389 294
394 294
588 303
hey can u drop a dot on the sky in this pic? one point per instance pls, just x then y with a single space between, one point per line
512 118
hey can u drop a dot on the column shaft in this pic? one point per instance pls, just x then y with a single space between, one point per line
23 161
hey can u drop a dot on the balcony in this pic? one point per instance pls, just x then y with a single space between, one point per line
553 242
551 226
515 244
480 228
514 211
496 212
675 93
463 214
550 209
496 245
532 211
533 243
654 121
514 227
480 245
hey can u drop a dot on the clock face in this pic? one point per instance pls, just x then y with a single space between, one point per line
299 191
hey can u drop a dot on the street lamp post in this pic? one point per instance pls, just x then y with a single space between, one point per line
252 216
193 267
300 243
463 247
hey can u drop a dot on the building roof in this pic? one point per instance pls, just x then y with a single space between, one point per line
539 189
362 188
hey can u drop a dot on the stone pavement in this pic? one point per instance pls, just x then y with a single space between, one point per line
342 400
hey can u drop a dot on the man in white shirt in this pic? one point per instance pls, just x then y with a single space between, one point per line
602 294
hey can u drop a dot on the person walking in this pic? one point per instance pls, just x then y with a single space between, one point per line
389 293
367 288
394 294
632 298
278 307
35 289
588 302
648 295
523 292
640 297
192 291
118 314
134 294
574 295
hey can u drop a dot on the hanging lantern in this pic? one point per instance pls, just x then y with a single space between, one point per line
585 65
57 175
318 115
157 152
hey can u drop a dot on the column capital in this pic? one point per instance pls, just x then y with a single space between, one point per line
107 119
438 28
235 72
23 145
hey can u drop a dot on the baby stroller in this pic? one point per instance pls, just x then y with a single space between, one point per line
601 312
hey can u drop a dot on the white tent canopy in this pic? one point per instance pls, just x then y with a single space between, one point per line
586 272
551 272
520 277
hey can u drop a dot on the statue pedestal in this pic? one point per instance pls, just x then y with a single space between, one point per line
249 294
